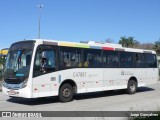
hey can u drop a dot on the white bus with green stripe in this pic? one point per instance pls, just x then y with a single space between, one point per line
42 68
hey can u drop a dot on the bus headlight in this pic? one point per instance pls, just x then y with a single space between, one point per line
24 84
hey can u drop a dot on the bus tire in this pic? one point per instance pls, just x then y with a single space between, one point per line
66 93
132 87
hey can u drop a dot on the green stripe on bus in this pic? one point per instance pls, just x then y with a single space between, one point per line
82 46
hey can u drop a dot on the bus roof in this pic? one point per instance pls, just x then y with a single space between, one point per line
93 45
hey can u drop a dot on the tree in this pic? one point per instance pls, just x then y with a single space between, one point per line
128 42
157 46
132 42
123 41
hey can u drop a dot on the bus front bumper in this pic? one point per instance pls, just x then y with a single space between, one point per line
24 92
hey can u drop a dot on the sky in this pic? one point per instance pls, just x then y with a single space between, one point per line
79 20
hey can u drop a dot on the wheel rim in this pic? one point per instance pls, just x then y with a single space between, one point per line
132 87
66 92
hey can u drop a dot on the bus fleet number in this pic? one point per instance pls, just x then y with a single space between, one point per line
79 74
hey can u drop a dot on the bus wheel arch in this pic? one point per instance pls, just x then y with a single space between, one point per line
132 85
67 90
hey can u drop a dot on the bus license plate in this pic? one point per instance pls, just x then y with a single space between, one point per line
12 92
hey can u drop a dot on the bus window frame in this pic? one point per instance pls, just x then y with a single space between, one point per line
46 47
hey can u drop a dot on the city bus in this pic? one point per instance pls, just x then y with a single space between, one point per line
41 68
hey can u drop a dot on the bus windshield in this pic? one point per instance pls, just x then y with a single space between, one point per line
18 61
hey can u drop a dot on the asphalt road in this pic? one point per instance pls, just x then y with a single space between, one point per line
146 98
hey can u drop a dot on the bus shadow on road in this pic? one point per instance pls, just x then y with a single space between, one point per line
34 101
82 96
144 89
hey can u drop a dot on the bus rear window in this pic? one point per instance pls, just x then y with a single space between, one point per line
151 60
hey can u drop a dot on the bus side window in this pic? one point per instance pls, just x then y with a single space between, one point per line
92 58
151 60
44 62
126 60
139 60
70 58
111 59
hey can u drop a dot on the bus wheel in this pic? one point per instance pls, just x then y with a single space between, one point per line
132 87
66 93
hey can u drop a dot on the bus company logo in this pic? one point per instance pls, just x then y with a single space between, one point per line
6 114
